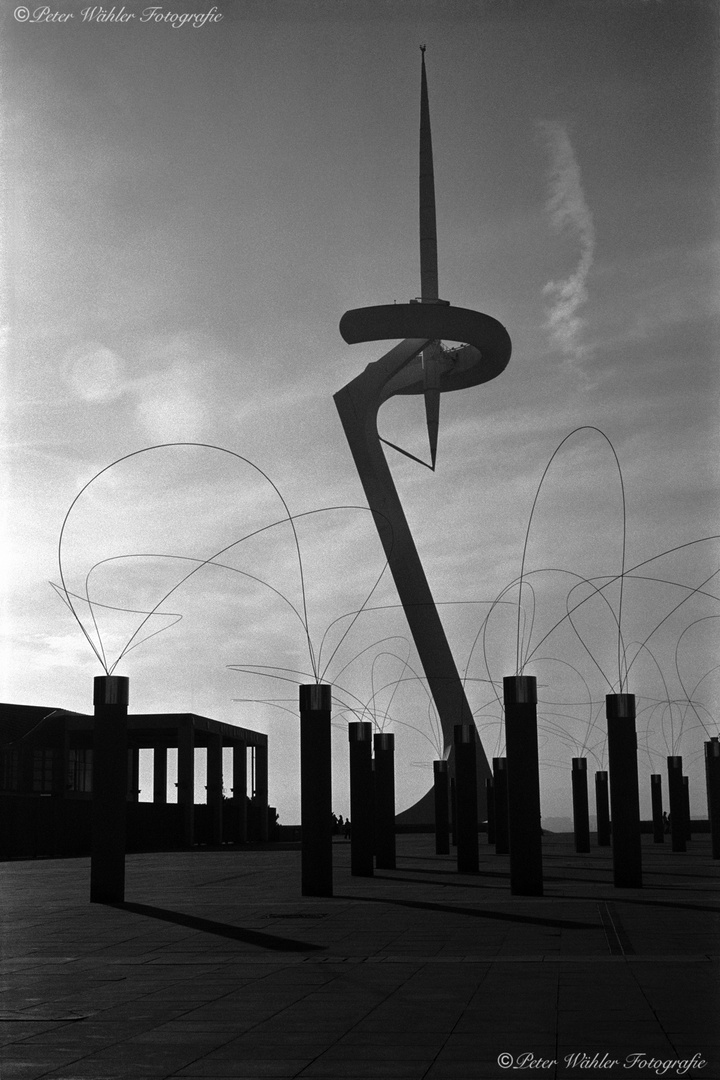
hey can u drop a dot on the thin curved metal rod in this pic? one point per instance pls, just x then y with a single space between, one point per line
677 669
628 573
575 431
170 445
200 564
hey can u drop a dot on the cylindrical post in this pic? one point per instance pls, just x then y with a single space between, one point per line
520 696
624 793
712 777
384 748
500 791
110 769
602 808
657 810
361 799
316 789
441 790
676 795
686 807
490 802
465 736
453 811
581 814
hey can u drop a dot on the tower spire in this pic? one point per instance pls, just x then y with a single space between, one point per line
428 264
428 228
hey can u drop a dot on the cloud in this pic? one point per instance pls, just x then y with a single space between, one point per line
94 372
172 406
569 214
172 397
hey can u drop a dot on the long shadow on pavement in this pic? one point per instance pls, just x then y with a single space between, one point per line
210 926
476 913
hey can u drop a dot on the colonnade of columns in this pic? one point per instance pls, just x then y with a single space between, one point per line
218 808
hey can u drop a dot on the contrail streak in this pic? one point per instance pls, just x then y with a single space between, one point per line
569 214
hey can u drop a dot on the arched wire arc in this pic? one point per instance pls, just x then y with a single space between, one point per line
162 446
627 573
296 517
361 707
371 705
691 592
60 592
482 632
211 560
200 564
385 607
597 591
648 731
484 626
437 739
585 427
176 616
589 702
365 707
269 672
691 696
497 602
642 646
381 607
366 649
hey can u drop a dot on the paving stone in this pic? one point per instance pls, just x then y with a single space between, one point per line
421 972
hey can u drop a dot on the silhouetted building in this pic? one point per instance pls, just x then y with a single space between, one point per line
46 782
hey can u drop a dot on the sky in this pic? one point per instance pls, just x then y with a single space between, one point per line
188 210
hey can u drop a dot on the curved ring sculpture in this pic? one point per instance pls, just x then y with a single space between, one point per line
418 364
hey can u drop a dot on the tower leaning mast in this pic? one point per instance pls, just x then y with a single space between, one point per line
428 225
418 365
428 265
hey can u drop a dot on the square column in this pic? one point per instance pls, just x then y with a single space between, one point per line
260 795
214 787
160 774
186 782
133 774
239 762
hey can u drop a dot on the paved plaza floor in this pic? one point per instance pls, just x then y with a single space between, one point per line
216 966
